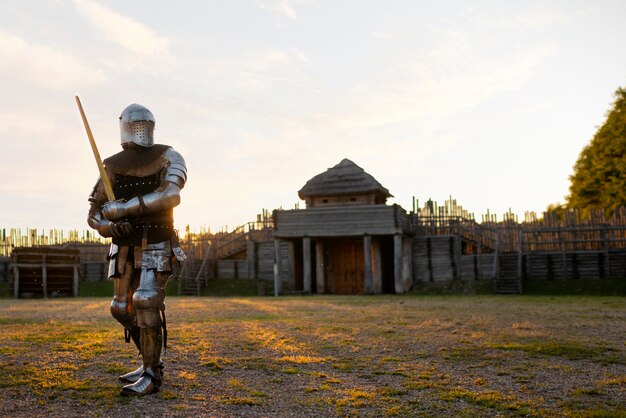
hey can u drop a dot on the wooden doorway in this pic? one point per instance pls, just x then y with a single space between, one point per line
344 267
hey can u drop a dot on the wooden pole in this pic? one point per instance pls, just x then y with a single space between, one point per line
397 263
44 277
377 279
367 254
75 281
16 279
319 266
306 265
276 267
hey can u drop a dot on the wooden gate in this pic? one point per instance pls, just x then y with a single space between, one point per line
345 270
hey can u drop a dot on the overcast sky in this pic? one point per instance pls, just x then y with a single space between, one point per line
489 102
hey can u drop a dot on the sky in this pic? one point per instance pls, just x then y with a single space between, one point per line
489 102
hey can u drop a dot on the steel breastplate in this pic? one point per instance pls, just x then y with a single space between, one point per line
137 172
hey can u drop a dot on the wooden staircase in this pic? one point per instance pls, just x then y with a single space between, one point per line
509 279
222 247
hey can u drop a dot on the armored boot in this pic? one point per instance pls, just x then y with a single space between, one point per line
133 376
133 334
150 377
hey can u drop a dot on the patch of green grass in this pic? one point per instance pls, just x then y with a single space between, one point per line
95 289
599 287
168 395
238 400
215 287
587 392
571 350
216 363
5 290
5 351
238 287
17 321
488 399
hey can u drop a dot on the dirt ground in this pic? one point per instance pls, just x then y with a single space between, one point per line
324 356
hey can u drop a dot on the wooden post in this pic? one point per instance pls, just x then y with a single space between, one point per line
276 267
458 254
563 254
44 277
75 283
16 279
367 254
407 263
607 253
319 266
306 265
377 279
397 263
251 256
494 269
520 256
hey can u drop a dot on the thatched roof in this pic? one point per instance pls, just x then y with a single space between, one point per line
342 179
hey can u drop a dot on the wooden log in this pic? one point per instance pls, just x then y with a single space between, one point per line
251 258
44 277
306 265
277 280
397 263
319 266
377 278
367 264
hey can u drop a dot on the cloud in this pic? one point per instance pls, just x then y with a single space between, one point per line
282 7
536 20
435 85
43 65
24 124
122 30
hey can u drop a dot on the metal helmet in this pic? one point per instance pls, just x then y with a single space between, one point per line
137 125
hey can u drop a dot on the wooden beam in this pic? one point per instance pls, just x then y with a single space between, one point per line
319 266
16 282
44 277
276 267
75 282
377 278
306 265
251 257
407 263
367 264
397 263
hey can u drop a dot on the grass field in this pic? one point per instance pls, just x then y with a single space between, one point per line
325 356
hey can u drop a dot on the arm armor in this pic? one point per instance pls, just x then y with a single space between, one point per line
95 219
165 197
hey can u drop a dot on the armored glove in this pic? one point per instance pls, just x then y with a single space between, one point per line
115 229
115 209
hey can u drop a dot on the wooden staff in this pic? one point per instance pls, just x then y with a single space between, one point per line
103 175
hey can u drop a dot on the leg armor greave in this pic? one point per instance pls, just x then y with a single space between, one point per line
149 297
122 308
148 301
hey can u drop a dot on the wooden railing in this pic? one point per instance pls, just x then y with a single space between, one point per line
572 230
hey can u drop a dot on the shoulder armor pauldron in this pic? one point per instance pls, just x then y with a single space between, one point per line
176 171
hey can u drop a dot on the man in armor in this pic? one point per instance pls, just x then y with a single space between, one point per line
146 179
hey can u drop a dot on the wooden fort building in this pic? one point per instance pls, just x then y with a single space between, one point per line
347 240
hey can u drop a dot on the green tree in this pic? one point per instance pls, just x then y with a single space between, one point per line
599 179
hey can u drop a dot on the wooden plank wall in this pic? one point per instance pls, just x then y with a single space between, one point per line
232 269
4 269
265 260
341 221
435 260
